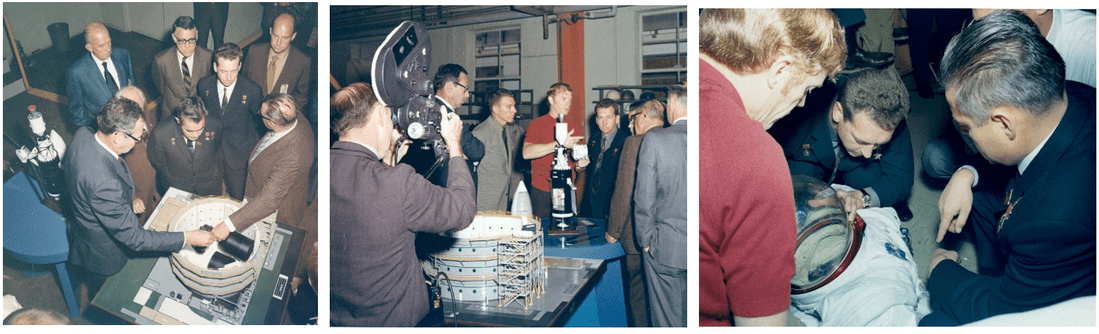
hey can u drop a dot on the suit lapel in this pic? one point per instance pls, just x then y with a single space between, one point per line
822 142
96 76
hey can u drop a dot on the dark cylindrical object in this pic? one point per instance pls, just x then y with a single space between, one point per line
59 35
237 245
220 260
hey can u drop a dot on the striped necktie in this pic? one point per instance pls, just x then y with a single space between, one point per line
186 74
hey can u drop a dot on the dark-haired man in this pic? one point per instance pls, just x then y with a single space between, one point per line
234 100
451 90
185 152
104 229
496 177
605 147
178 69
861 141
1035 238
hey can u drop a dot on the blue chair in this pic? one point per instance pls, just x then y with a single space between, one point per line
35 234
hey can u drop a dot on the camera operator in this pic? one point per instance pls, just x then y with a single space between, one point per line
376 210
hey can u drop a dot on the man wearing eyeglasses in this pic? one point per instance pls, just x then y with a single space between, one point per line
861 140
178 69
104 228
644 116
451 90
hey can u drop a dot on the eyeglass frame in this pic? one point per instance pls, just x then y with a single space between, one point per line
185 41
145 134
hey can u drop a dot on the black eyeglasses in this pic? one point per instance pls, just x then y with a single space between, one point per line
144 133
187 41
461 85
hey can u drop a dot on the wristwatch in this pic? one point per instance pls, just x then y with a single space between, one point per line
865 198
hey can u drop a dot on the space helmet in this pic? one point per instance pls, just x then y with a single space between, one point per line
826 241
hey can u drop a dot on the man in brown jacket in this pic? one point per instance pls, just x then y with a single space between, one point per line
278 170
644 116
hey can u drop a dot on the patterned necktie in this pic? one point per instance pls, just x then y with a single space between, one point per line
110 78
224 97
263 143
271 74
186 74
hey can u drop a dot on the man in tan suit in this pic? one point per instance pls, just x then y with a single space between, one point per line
279 67
278 170
644 116
178 69
496 179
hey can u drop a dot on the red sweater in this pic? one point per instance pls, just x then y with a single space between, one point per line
540 131
746 207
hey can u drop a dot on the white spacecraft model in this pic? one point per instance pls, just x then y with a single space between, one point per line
499 257
195 268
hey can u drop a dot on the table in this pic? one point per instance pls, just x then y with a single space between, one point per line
608 308
35 234
146 291
568 283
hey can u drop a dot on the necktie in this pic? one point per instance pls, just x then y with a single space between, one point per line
271 74
110 78
266 141
1010 199
186 74
224 97
191 146
504 136
599 158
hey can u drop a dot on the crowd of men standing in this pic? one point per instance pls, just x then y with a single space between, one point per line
369 240
226 123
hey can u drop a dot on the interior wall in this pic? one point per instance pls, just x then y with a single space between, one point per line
29 20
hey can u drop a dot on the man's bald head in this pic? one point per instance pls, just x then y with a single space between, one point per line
132 93
282 33
98 40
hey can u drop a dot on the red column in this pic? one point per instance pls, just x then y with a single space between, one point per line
570 69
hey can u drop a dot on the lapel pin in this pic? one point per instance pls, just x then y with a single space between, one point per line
806 148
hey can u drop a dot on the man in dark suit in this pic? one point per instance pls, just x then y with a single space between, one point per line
1035 238
376 211
279 67
278 170
644 116
605 148
103 231
96 77
862 141
177 70
660 214
211 17
234 101
496 176
185 152
451 90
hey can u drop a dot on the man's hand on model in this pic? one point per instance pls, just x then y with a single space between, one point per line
199 238
610 239
572 140
582 163
221 231
955 203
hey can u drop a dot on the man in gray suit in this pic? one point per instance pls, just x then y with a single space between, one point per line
660 214
178 69
104 231
496 177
